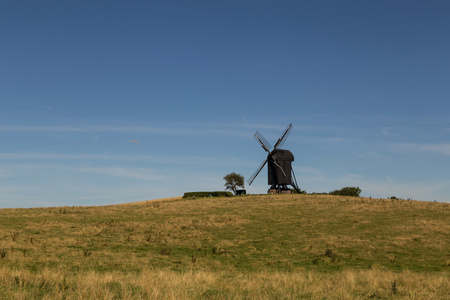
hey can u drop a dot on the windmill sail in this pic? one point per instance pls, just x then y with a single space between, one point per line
283 137
262 140
250 180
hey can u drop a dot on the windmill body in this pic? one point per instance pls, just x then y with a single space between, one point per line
279 164
279 174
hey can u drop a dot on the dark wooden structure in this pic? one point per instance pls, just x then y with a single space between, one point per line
279 165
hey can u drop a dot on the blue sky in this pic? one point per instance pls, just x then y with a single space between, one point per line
106 102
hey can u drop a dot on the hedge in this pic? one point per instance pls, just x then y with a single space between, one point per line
207 194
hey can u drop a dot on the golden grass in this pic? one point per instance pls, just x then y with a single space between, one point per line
265 247
166 284
151 201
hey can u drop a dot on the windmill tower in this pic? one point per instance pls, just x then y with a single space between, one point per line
279 164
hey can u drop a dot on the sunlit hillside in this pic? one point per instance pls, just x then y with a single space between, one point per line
265 246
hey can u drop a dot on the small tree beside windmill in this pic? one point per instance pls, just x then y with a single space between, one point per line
233 181
279 164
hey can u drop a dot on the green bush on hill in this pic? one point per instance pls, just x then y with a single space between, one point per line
207 194
347 191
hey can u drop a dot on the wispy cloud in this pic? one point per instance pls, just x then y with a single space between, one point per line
124 172
180 129
95 129
439 148
62 184
50 158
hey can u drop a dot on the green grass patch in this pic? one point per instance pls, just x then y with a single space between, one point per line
242 235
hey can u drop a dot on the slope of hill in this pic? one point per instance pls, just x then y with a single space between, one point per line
388 246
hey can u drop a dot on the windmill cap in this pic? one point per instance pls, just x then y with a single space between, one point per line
281 154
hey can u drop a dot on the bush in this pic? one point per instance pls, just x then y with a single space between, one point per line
347 191
207 194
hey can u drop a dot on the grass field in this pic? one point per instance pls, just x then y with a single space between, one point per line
265 247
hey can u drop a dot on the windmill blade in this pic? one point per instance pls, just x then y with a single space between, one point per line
283 137
262 140
250 180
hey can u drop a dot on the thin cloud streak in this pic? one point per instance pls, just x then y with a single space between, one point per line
181 160
207 129
100 185
96 129
134 173
183 129
440 148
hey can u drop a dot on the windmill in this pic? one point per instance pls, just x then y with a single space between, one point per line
279 164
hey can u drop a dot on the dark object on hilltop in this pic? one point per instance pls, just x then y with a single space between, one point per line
194 195
279 165
233 181
241 192
347 191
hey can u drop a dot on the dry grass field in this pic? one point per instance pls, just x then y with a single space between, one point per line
264 247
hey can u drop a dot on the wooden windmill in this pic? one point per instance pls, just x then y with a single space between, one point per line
279 164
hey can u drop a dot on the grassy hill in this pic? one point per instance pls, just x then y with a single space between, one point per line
266 246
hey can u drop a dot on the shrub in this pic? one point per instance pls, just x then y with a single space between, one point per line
207 194
347 191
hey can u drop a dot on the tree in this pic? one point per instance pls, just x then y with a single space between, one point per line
232 181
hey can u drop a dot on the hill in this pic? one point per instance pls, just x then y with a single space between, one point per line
267 246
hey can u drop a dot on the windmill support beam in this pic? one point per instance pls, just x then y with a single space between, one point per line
281 189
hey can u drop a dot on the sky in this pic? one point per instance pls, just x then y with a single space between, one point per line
106 102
